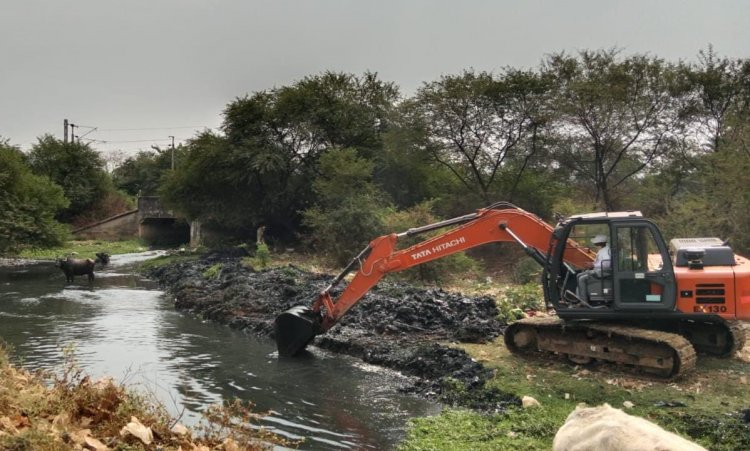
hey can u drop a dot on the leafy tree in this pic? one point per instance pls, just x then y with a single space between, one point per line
350 208
404 170
330 110
28 204
614 117
112 203
237 188
262 171
717 202
478 124
142 174
76 167
720 90
199 186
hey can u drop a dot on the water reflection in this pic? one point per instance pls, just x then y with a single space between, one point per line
122 325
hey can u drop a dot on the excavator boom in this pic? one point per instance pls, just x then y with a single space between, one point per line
499 222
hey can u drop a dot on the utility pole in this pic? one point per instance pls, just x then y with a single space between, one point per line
172 152
65 130
72 132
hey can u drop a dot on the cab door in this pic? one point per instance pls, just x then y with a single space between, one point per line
644 278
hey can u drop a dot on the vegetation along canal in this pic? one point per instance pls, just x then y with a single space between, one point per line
123 326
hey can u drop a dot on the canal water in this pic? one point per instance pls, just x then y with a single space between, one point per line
121 325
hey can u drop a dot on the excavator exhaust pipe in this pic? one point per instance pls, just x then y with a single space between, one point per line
295 329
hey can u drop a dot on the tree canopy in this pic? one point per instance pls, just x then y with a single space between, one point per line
481 126
614 117
76 167
262 170
28 204
334 157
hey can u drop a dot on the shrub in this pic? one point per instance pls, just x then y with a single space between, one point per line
262 256
526 271
110 204
442 269
518 299
350 208
28 204
212 272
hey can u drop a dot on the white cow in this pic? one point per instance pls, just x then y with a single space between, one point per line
606 428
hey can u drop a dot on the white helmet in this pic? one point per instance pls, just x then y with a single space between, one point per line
599 239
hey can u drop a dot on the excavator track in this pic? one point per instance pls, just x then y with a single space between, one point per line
663 354
720 339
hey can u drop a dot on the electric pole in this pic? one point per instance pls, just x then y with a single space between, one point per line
172 152
65 130
72 132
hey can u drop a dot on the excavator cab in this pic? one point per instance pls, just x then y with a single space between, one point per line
637 278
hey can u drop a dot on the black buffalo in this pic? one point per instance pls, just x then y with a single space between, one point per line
103 258
77 267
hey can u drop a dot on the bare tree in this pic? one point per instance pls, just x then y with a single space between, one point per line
720 92
113 159
477 123
613 117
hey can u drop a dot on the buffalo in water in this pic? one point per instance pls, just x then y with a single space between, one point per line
81 266
76 267
103 258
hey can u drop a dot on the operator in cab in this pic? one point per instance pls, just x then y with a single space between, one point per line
603 261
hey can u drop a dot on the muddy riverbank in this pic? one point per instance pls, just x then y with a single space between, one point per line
395 325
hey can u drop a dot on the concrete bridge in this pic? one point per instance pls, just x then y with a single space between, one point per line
149 221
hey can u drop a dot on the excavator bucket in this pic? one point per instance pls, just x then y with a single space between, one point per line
295 328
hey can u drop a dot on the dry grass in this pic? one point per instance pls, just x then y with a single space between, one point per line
69 411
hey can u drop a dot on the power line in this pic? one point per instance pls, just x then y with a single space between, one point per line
152 141
102 141
129 149
153 128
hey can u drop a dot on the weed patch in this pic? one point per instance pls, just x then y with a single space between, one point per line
213 271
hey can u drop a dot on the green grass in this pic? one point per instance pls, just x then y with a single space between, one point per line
212 272
85 249
712 396
463 429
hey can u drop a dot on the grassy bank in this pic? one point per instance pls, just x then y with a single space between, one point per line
85 249
69 411
708 406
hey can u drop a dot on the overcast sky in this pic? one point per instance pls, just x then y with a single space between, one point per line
169 67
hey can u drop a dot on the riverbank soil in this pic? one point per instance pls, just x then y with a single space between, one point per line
448 341
395 325
69 411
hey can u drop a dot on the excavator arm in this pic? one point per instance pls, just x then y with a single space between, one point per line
296 327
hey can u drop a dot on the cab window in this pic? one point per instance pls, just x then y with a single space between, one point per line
637 249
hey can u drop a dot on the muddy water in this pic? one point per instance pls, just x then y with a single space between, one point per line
121 325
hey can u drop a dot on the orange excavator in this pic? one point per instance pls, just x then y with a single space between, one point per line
649 306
